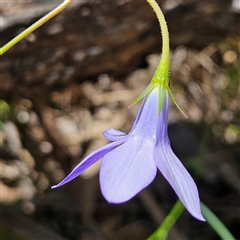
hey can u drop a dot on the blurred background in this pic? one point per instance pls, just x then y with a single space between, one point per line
75 77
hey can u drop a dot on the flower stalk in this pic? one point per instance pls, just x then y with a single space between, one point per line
161 77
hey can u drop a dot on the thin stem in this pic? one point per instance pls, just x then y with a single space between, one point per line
33 27
164 30
161 76
162 232
216 224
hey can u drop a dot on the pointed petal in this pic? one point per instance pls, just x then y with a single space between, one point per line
127 169
87 162
178 177
147 119
172 168
113 134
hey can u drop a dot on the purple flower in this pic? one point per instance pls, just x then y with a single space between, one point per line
130 161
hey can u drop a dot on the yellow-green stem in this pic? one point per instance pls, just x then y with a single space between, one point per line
164 30
33 27
161 76
162 232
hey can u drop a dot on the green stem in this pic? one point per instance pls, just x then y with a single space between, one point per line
161 76
216 224
164 63
164 29
162 232
33 27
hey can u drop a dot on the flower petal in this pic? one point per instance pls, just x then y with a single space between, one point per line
178 177
88 161
172 168
113 134
127 169
147 119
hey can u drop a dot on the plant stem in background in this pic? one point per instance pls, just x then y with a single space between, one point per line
162 232
33 27
216 224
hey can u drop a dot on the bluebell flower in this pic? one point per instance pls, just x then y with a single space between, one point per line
130 161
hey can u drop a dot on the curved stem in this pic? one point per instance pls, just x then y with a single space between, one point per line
161 76
33 27
216 224
164 30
